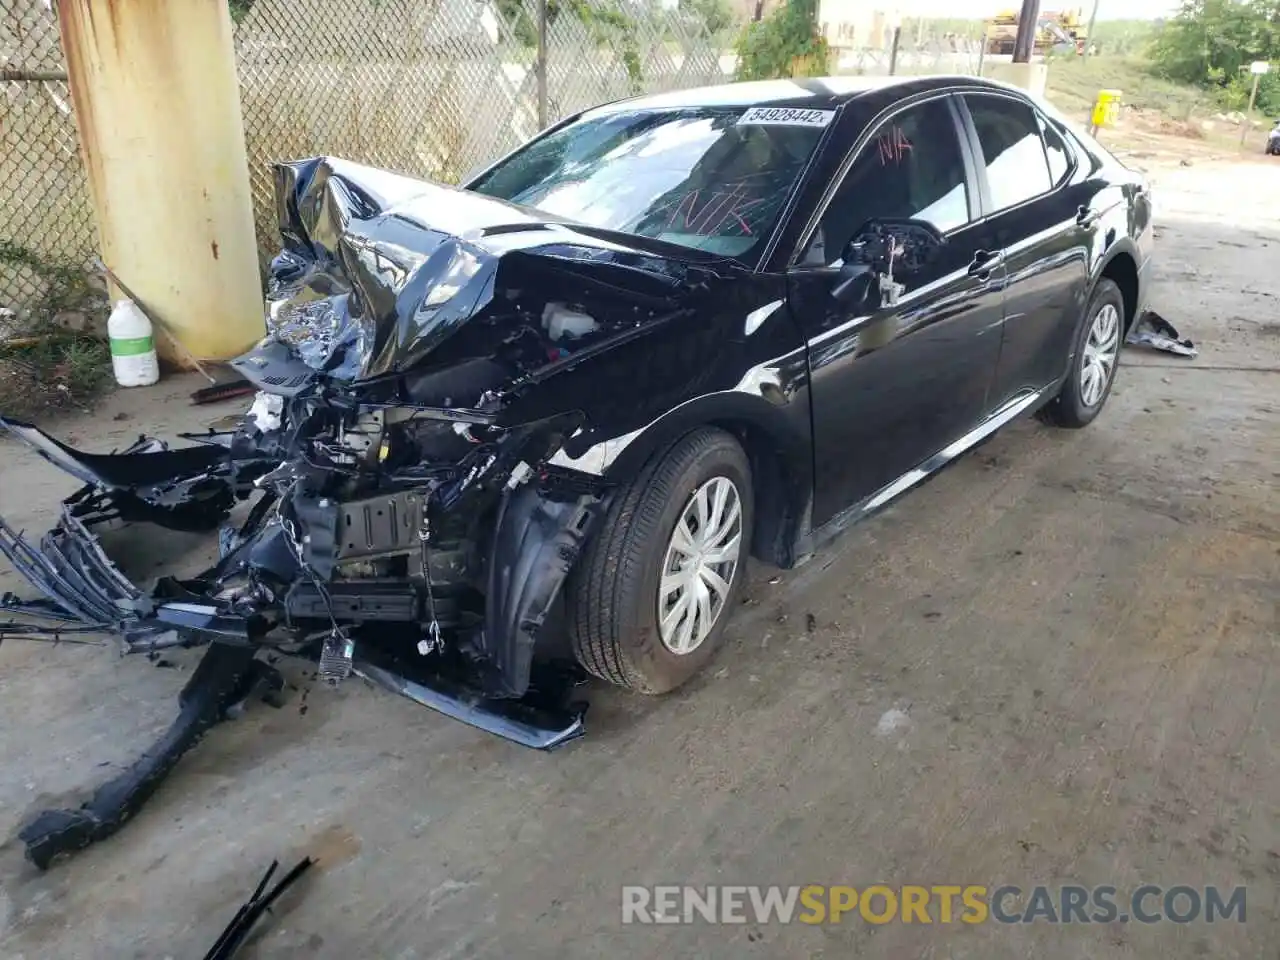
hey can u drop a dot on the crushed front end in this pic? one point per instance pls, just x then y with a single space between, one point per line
399 515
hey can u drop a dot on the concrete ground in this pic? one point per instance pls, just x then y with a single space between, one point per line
1053 664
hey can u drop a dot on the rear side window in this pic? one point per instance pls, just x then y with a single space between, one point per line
1014 154
1057 150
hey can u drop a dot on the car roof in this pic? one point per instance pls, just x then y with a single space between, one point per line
814 93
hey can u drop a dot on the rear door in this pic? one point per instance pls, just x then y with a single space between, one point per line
1043 226
892 387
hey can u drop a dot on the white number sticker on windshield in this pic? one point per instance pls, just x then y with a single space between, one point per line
786 117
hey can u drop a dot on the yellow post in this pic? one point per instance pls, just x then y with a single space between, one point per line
158 108
1106 110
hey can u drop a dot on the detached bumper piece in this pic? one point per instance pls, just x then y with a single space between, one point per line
282 582
226 676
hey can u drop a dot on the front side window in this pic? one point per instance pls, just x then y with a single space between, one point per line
910 168
1012 150
712 178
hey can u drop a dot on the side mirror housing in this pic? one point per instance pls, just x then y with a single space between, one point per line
880 255
897 246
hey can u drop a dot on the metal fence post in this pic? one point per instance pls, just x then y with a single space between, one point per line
542 64
893 50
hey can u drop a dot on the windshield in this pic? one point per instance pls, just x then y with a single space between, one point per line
714 179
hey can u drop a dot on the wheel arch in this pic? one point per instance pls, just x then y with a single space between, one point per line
776 440
1121 268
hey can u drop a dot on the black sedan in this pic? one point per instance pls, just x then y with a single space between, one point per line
538 423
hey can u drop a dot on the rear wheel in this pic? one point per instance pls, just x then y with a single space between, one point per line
1096 357
651 595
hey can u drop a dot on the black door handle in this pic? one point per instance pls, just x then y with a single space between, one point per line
1086 217
984 261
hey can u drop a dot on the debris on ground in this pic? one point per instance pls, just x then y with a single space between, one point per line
1153 330
238 930
226 676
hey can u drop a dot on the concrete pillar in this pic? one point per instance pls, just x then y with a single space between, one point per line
1031 77
158 109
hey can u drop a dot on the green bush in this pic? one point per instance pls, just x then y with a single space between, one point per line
1210 43
43 363
784 44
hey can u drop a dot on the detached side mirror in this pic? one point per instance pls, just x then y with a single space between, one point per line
899 244
881 255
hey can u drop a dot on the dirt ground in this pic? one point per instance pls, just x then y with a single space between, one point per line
1052 664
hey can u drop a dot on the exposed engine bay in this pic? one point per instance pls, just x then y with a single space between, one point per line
402 519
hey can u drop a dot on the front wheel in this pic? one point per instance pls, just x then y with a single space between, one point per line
650 597
1095 359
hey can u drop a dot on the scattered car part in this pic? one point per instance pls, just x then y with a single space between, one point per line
241 925
1153 330
227 390
225 676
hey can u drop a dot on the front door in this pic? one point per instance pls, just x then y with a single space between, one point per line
894 386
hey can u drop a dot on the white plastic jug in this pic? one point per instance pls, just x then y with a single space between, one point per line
133 349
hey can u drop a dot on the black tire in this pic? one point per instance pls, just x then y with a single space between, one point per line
612 594
1069 409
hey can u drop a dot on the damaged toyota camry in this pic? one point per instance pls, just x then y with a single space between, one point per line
536 425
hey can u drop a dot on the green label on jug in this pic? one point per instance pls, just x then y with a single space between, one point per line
131 347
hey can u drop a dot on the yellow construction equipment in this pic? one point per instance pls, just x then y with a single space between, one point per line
1056 31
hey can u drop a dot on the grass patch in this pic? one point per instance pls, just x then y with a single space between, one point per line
1073 86
50 357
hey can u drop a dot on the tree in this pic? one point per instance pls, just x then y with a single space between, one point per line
1210 43
716 15
784 44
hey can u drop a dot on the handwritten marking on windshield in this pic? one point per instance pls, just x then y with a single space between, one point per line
720 214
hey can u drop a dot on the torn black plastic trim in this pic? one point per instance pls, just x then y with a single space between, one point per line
186 489
116 471
225 676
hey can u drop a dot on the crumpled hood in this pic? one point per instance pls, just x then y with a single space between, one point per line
378 270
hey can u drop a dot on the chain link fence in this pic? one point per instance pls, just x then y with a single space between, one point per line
438 89
919 57
435 89
44 203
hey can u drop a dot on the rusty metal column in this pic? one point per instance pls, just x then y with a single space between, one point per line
158 109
